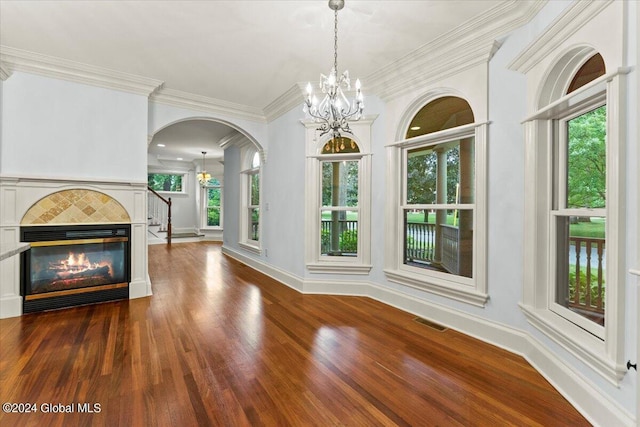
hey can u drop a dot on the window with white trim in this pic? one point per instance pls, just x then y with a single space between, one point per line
250 209
439 217
574 242
212 204
338 201
339 210
578 217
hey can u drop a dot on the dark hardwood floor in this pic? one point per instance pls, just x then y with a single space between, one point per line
221 344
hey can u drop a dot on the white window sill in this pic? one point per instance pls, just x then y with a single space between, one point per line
338 268
450 290
581 344
250 247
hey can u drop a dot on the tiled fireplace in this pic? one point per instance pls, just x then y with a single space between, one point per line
87 243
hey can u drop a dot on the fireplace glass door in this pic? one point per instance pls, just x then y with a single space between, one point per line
75 265
65 265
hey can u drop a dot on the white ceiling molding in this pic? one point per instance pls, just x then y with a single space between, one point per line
240 140
570 21
12 59
438 67
4 72
457 50
205 104
235 139
285 102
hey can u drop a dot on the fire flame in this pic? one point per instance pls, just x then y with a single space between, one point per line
78 263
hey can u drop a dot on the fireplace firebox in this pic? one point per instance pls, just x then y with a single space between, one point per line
74 265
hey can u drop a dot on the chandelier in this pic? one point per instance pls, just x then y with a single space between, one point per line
203 177
335 109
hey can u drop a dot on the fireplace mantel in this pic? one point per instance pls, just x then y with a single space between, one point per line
7 250
19 194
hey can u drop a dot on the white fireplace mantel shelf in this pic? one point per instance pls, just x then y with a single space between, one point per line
7 250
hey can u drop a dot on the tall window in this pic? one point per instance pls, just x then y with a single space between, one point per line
438 208
579 218
253 205
338 201
440 202
574 207
250 209
339 211
213 204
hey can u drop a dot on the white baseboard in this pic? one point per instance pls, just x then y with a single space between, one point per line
281 276
139 289
595 406
10 307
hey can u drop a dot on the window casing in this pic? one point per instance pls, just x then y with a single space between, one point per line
338 201
550 208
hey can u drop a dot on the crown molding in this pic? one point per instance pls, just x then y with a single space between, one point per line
12 59
235 139
285 102
571 20
4 72
439 66
465 46
205 104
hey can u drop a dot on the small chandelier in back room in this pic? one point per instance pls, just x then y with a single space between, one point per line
203 177
335 109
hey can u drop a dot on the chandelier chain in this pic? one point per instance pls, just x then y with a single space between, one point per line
335 41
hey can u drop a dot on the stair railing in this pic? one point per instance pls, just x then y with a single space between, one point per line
160 212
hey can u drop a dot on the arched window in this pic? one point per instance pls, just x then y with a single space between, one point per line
338 201
440 114
591 70
578 206
439 214
574 239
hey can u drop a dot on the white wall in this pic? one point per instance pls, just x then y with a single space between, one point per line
231 207
58 129
283 194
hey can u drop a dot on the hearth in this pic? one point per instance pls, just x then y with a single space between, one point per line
74 265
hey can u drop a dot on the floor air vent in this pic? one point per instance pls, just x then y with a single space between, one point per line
430 324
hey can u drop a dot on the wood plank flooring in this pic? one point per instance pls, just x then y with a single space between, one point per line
220 344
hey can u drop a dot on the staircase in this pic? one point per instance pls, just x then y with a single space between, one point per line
159 213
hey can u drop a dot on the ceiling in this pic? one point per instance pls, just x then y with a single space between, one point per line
243 52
